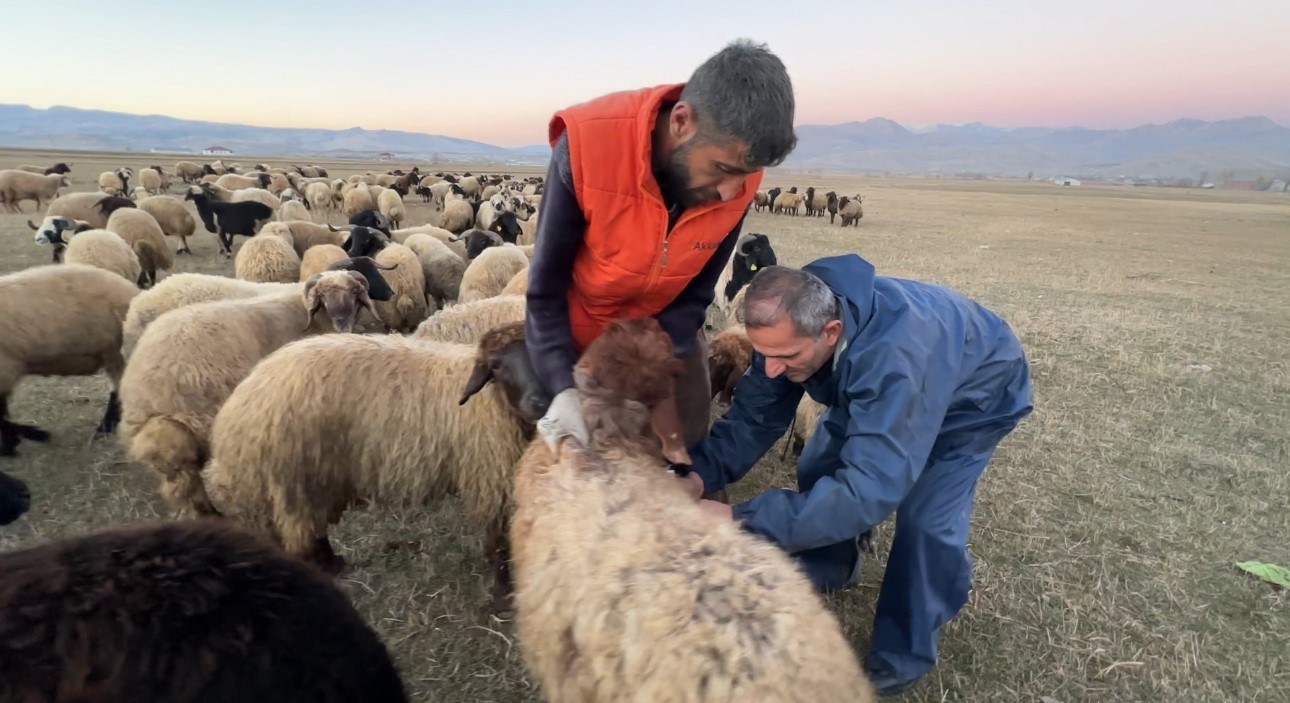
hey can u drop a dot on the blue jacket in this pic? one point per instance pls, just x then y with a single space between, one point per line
920 362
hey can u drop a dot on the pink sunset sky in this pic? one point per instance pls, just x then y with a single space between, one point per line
496 71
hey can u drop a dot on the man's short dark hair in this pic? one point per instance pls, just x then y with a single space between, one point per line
743 93
777 292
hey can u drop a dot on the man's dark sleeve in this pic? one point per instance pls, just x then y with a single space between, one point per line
684 317
560 230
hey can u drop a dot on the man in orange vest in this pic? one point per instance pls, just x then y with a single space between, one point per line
643 201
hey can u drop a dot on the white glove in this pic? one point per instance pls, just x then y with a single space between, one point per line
563 419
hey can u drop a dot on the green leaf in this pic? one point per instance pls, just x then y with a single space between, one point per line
1268 572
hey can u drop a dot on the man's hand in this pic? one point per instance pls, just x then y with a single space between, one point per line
693 485
563 419
721 510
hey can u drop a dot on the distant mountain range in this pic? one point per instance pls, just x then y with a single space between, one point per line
1182 148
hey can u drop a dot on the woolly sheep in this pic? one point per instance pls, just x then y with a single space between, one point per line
470 185
173 218
53 230
788 203
15 498
519 283
626 590
815 202
729 355
114 182
443 235
318 258
806 419
189 360
294 210
228 219
233 181
308 234
488 274
258 195
150 181
187 289
441 268
60 320
188 171
850 210
457 216
181 612
78 206
17 186
141 231
467 323
390 203
268 258
320 197
357 200
408 305
377 419
105 250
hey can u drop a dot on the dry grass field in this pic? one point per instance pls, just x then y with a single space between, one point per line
1156 322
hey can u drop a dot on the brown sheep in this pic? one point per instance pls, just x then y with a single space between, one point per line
729 355
626 590
851 211
181 612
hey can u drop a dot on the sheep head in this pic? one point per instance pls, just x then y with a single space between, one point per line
477 240
341 293
503 359
364 241
756 251
626 380
729 355
14 498
506 227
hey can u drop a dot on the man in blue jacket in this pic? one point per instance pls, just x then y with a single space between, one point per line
919 385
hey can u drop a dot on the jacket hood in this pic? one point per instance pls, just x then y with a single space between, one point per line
850 277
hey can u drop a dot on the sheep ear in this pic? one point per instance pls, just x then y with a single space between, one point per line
666 423
479 378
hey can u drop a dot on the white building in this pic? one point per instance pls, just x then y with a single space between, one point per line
1066 181
216 151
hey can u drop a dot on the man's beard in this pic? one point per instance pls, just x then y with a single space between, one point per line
676 180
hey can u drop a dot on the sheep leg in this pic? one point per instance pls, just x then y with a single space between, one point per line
322 554
498 548
11 433
111 417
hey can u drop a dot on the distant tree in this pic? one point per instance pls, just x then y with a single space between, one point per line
1030 175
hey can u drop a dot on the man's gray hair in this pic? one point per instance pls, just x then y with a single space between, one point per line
776 292
743 93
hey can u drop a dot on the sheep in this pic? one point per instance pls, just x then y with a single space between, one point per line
51 232
102 249
15 498
357 200
188 361
178 612
318 258
374 219
788 203
760 201
831 204
187 289
17 186
850 210
467 323
476 241
60 320
441 268
268 258
115 182
59 167
390 203
189 171
150 181
258 195
815 204
519 283
771 196
443 235
173 218
87 207
489 273
458 215
507 226
752 252
626 590
408 305
349 397
141 231
233 181
294 210
470 186
729 355
278 184
228 219
806 419
320 198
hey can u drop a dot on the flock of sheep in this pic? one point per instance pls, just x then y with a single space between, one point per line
376 363
811 203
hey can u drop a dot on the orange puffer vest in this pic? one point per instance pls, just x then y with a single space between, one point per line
630 265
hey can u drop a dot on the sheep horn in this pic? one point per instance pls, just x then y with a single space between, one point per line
742 243
32 225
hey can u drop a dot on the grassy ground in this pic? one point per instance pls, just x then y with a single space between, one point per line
1105 531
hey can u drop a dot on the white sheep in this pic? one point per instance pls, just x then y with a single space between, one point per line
390 204
150 181
626 590
457 216
60 320
105 250
17 186
408 305
443 235
466 323
441 267
318 258
378 419
185 289
294 210
519 283
357 200
268 257
189 360
141 231
488 274
115 182
174 219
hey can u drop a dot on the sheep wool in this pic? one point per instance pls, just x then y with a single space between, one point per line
441 267
317 258
409 305
268 258
488 274
185 289
106 250
467 323
141 231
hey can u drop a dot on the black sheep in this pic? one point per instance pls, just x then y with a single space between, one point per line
371 218
228 219
364 241
14 498
506 225
477 240
752 253
194 611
